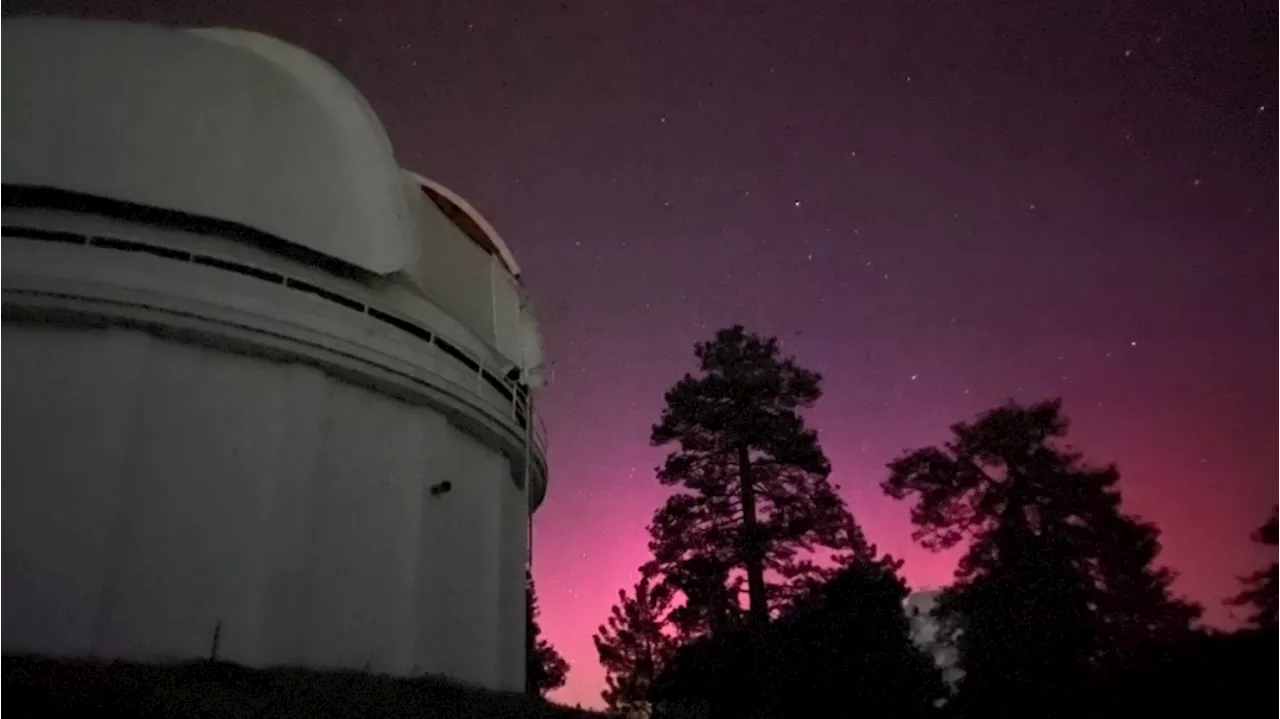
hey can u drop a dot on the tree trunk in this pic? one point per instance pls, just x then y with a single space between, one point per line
753 556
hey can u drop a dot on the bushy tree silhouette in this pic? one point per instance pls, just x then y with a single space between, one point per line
1057 581
754 493
633 646
1261 594
843 647
848 642
545 669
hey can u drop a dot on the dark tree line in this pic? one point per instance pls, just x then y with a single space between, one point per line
764 599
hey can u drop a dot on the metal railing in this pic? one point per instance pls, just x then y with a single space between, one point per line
515 403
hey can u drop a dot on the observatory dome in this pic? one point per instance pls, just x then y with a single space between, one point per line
218 123
267 389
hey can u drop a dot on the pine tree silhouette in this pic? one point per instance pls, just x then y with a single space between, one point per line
754 495
633 646
1057 582
545 669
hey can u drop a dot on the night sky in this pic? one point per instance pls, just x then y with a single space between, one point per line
939 205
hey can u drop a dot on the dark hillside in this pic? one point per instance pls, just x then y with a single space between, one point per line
38 687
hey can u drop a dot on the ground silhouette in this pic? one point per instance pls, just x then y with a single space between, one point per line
40 687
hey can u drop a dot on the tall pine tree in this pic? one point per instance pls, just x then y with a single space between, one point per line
1057 581
633 647
545 670
1261 592
754 492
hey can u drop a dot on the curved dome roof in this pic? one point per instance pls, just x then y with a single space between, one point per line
467 219
219 123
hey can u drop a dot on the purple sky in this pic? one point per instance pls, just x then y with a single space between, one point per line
940 205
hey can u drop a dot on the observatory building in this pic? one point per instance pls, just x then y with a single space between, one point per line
268 393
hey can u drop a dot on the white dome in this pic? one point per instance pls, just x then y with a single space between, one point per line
226 124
